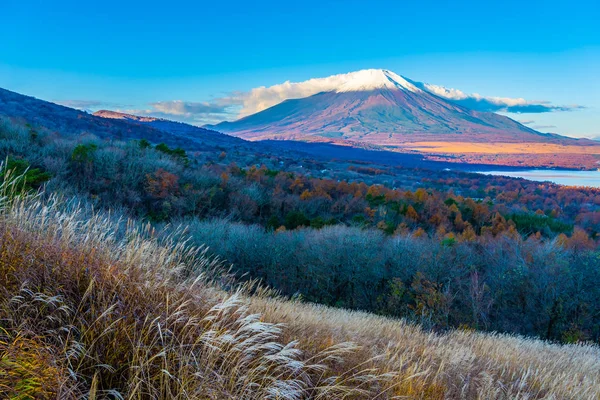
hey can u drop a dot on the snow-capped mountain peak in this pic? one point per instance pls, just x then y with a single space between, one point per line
374 79
374 106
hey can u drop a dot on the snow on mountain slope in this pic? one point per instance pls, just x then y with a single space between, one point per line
373 79
378 107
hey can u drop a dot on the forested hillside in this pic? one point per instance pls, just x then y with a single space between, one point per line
446 249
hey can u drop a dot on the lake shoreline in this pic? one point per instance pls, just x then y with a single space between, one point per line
562 177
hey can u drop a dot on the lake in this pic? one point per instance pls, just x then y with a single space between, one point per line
561 177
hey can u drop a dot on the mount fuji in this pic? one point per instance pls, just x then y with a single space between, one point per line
379 107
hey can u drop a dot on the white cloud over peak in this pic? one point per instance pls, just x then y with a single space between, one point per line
263 97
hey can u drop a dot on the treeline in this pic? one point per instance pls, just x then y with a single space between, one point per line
159 183
532 287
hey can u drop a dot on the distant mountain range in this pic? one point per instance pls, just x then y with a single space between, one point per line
379 107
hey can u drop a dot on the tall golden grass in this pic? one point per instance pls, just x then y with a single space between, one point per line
92 306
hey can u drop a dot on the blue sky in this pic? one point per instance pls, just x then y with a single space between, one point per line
143 55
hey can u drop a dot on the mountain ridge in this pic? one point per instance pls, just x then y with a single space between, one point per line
177 128
368 105
69 122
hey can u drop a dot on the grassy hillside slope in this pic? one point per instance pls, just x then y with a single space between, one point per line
95 306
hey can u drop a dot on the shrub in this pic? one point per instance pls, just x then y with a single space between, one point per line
144 144
22 176
177 153
83 153
296 219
